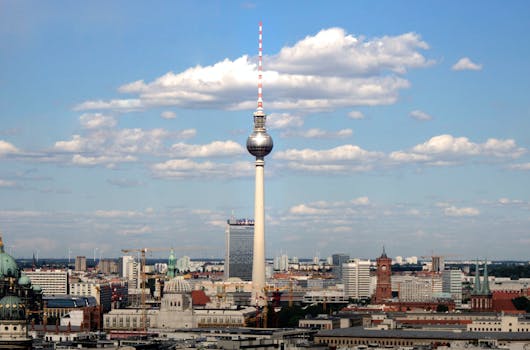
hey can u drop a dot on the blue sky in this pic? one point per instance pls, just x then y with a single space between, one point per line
404 124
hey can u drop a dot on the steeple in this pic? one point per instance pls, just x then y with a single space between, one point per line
171 265
476 287
383 255
485 282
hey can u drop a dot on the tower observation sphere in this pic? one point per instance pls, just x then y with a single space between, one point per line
259 143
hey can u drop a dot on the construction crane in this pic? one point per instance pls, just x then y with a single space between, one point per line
143 251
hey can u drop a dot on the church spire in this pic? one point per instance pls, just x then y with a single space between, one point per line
476 287
384 253
171 265
485 282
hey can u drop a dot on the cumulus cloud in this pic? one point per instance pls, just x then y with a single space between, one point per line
466 64
356 115
303 209
112 214
445 149
316 133
419 115
466 211
284 121
7 148
185 168
7 183
346 54
216 148
520 166
340 153
136 230
329 70
96 120
168 115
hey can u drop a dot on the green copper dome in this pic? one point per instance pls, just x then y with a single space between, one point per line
12 308
24 280
8 266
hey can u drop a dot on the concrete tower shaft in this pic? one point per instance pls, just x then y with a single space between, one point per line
259 144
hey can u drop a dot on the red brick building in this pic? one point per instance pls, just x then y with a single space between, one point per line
383 289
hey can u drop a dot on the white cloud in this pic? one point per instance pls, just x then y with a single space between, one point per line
168 115
466 211
7 183
316 133
443 150
466 64
419 115
520 166
284 121
340 153
303 209
184 168
187 133
123 105
356 115
78 159
96 120
216 148
329 70
137 230
507 201
113 214
333 52
7 148
361 201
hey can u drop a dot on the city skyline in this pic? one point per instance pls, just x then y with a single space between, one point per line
396 124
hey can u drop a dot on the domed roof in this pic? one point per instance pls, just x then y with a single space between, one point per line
8 265
12 308
177 285
24 280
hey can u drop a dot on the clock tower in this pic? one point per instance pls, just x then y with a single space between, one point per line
383 289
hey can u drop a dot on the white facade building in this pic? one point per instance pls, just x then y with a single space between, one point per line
51 281
356 278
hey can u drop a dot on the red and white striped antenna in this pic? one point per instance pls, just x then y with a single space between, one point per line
260 67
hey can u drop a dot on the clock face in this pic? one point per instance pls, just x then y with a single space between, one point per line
383 267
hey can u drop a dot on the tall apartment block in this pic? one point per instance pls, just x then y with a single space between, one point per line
239 248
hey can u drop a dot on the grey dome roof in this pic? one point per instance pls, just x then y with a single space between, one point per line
12 308
177 285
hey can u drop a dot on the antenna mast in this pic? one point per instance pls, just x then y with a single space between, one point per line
260 67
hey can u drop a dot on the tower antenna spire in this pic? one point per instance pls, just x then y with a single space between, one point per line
260 67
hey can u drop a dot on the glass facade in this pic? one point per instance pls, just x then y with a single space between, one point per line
239 249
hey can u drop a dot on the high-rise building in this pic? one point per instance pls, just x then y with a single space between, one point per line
259 144
383 289
452 283
239 248
80 263
338 260
183 264
438 264
356 278
51 281
107 266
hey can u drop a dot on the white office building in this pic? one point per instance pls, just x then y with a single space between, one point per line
51 281
356 278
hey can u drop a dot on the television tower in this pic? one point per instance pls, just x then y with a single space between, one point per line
259 144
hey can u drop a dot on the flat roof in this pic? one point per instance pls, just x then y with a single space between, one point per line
360 332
